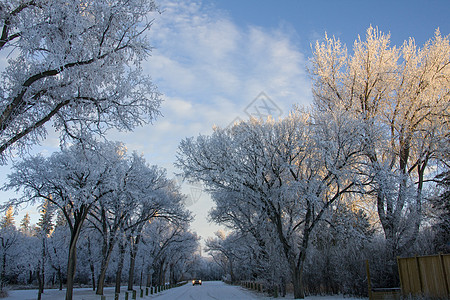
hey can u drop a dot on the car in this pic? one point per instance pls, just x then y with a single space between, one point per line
196 281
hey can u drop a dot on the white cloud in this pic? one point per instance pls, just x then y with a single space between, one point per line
211 57
179 107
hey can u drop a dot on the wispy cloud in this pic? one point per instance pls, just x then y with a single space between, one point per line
202 56
209 69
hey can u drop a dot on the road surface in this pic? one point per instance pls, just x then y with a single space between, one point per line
209 290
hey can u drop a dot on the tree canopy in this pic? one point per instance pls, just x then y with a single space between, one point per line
75 63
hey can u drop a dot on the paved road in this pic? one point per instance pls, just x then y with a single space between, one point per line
209 290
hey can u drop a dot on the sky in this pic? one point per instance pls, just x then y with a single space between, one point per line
218 61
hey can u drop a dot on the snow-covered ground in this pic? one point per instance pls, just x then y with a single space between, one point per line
216 290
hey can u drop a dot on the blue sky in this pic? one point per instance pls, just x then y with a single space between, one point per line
216 61
343 18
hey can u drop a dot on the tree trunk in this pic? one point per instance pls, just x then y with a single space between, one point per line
71 264
140 279
41 287
92 275
149 279
131 270
39 279
297 272
60 279
283 286
104 268
120 266
3 273
163 278
172 278
142 274
72 258
297 281
133 253
161 272
91 264
233 279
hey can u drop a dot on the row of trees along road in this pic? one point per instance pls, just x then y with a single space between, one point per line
377 133
376 137
43 258
115 200
77 64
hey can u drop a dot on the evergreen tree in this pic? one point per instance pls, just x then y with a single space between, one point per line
45 225
8 238
60 219
44 228
25 224
8 219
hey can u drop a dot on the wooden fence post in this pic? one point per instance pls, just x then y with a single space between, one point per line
400 274
444 273
419 274
369 283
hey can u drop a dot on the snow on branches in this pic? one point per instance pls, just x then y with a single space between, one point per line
75 63
280 174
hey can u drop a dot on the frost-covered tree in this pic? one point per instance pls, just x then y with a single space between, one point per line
143 193
440 213
180 253
168 247
25 265
162 199
289 172
25 224
107 217
8 218
228 251
75 63
43 229
339 247
9 237
120 260
57 251
401 97
73 180
262 257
